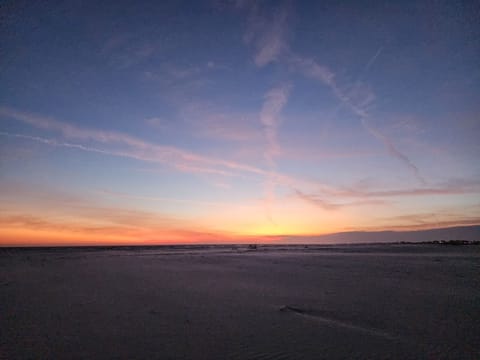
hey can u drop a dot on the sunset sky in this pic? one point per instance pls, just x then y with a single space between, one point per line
145 122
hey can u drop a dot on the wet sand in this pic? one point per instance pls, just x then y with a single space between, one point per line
276 302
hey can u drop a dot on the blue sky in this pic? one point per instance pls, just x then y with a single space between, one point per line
235 119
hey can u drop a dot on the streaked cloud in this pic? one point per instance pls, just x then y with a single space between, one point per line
266 32
275 100
392 150
268 36
217 123
328 205
132 147
125 50
359 107
156 122
124 195
452 187
455 187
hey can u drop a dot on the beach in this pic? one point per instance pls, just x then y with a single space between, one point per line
233 302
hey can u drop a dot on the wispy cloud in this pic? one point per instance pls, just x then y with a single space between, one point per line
122 145
124 195
125 50
323 198
316 200
266 33
54 142
442 218
69 130
392 150
156 122
453 187
223 124
328 205
275 100
204 170
358 106
126 146
134 148
307 154
311 68
369 64
114 143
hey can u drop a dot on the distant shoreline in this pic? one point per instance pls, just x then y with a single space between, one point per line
246 247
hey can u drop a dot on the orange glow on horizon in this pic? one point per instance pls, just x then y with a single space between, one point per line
240 223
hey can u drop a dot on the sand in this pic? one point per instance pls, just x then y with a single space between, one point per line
278 302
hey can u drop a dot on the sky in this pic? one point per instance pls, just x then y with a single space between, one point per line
152 122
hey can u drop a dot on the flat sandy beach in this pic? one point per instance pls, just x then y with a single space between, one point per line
229 302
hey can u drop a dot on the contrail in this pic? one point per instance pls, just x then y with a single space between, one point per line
392 150
312 69
57 143
372 60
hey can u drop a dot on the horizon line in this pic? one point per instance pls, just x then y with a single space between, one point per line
245 241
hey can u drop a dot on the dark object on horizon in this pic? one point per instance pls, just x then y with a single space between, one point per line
459 242
441 242
252 247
